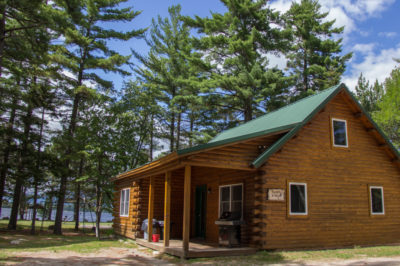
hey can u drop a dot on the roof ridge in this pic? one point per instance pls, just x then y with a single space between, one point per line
279 109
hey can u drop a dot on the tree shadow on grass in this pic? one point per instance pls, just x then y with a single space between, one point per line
78 260
45 239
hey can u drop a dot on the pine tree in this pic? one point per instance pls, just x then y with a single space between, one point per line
388 115
85 50
314 58
368 95
171 68
237 45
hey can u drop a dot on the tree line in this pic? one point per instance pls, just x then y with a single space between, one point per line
66 130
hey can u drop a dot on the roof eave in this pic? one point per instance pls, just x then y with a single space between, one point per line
146 167
235 139
388 142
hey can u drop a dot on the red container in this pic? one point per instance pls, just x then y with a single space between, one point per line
156 237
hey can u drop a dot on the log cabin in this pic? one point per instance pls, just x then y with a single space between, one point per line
317 173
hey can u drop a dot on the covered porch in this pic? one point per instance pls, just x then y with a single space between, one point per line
196 249
188 202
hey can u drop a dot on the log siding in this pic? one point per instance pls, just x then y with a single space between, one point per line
338 181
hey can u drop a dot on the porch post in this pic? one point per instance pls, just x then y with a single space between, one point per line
186 210
150 210
167 208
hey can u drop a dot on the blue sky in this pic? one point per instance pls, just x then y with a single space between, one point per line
372 32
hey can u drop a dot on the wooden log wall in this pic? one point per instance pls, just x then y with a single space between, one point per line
177 203
127 226
337 185
213 178
236 156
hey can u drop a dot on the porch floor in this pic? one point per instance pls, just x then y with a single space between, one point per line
196 250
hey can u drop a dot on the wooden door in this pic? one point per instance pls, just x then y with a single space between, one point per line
200 211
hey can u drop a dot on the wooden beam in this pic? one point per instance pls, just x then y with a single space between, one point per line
218 165
186 211
358 114
150 210
167 208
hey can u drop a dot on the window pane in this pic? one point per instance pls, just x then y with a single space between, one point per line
224 207
377 202
297 198
237 192
121 203
126 202
225 193
236 209
339 133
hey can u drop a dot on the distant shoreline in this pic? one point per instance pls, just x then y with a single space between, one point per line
90 217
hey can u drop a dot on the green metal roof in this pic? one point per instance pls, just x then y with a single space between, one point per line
291 114
333 92
285 118
290 118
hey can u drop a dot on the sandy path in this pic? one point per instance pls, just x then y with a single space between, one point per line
110 256
125 256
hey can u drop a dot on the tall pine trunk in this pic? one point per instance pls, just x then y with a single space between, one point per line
178 130
7 150
99 198
151 138
248 110
191 131
12 224
78 196
22 204
305 74
36 176
50 207
172 128
2 32
64 176
171 134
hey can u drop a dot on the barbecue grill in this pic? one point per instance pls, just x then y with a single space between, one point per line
229 229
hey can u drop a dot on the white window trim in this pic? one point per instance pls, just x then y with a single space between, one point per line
333 133
230 200
370 201
120 202
306 199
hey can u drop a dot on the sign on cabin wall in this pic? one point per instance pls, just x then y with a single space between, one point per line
276 194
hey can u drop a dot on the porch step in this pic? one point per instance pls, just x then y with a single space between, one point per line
196 250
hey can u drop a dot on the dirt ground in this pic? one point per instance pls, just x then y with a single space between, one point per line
124 256
110 256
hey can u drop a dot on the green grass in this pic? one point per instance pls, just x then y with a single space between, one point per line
81 242
269 257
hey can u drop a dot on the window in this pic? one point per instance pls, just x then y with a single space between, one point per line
231 200
124 203
376 195
339 132
297 199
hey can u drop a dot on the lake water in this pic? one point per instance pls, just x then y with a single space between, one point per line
67 215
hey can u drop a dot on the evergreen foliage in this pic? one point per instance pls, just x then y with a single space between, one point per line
314 58
236 46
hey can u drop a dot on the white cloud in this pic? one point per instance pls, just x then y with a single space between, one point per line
387 34
364 48
342 19
375 65
275 60
346 12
